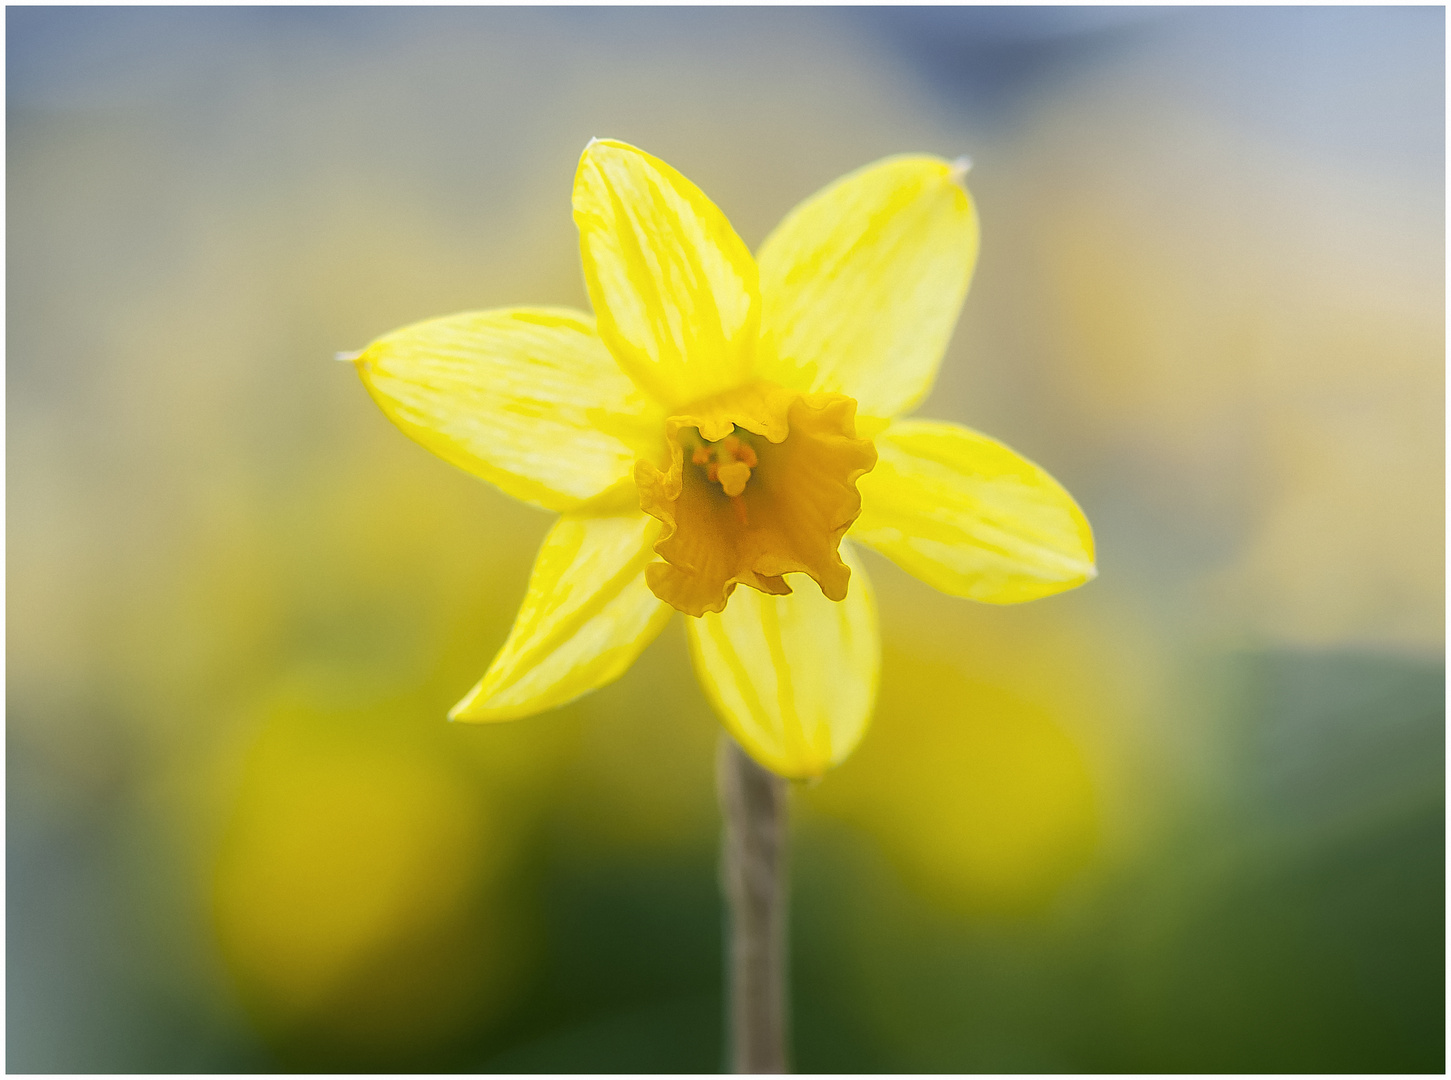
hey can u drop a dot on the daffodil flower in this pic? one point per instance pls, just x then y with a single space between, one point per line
726 421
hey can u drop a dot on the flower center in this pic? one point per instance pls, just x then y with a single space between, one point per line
728 463
760 482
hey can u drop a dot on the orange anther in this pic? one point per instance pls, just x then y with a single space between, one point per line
728 463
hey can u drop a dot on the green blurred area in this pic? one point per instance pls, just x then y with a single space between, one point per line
1188 818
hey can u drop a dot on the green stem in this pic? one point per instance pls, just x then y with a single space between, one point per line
753 880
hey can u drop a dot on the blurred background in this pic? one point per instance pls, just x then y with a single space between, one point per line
1187 818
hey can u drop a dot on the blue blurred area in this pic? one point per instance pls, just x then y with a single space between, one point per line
1190 818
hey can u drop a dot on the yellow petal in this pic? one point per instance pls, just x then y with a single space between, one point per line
862 283
793 677
526 398
586 617
970 517
673 287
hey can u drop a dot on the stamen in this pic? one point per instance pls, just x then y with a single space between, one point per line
728 463
732 477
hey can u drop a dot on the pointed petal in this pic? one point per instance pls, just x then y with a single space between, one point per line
970 517
526 398
586 617
673 286
794 678
862 283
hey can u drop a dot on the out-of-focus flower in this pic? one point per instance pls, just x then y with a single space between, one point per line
725 420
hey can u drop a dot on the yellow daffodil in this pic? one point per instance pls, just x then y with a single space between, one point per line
727 421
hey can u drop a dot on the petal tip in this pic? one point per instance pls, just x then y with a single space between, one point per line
607 141
475 708
958 169
474 712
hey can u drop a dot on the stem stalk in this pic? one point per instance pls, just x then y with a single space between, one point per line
754 846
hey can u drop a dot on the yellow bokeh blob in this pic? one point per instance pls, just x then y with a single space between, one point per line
1005 807
347 888
975 789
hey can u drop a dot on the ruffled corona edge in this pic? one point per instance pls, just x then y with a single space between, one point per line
800 499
